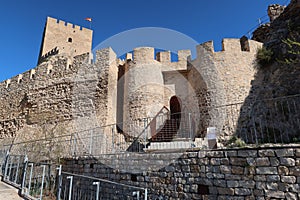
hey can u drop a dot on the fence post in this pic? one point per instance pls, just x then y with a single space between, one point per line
30 177
6 165
91 142
112 139
190 129
98 188
41 194
71 145
145 125
10 166
59 183
146 194
24 174
70 187
17 170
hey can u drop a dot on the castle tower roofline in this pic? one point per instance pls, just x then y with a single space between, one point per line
64 37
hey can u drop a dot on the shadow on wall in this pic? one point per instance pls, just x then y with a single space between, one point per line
273 102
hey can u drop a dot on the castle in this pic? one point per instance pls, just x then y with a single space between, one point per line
69 91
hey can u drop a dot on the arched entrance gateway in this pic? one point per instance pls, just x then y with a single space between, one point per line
175 108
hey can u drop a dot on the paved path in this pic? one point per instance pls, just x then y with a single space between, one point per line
8 192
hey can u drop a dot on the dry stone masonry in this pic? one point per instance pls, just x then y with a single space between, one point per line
263 173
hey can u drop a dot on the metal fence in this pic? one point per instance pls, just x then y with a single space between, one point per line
13 168
75 186
34 180
47 181
274 120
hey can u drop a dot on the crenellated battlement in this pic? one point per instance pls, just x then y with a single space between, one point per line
230 46
141 55
146 54
63 24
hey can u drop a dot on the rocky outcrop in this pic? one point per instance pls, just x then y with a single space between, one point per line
275 92
262 32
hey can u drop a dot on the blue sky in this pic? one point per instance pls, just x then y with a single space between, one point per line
22 22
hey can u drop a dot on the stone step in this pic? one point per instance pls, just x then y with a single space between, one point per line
170 145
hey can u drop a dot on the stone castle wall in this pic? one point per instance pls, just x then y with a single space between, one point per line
225 78
263 173
69 89
59 92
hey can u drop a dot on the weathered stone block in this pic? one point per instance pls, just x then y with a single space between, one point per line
215 161
291 196
238 161
258 192
272 186
215 154
203 161
297 152
242 191
232 177
225 169
227 191
251 161
283 170
295 171
275 194
294 187
220 183
273 178
170 169
233 184
261 185
283 187
284 152
266 170
274 161
230 153
288 179
201 154
247 153
247 184
237 170
266 153
260 178
192 154
287 161
224 161
262 161
186 168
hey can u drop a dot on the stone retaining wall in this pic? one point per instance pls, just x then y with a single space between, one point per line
263 173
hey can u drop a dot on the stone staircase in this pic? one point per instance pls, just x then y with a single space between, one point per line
167 132
174 134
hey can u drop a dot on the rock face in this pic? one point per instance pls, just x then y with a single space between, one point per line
261 33
275 11
276 86
281 38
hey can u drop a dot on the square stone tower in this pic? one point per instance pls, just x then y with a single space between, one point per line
64 38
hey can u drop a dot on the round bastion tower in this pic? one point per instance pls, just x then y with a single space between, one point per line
144 90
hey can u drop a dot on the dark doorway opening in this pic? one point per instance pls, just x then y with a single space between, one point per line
175 108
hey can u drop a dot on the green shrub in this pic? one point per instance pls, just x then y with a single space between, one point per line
235 142
264 56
